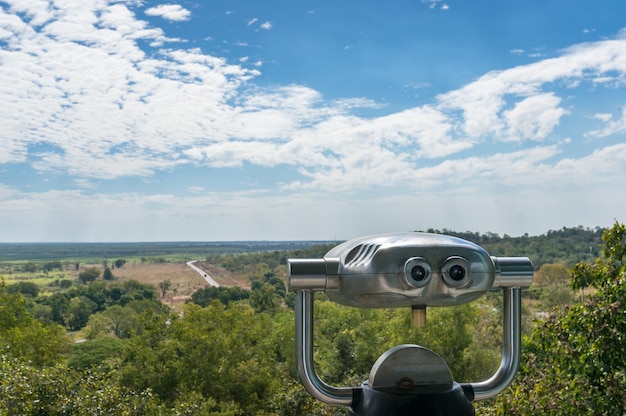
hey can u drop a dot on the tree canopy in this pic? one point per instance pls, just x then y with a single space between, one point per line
575 361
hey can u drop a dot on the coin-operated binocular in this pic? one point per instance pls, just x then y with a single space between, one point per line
413 270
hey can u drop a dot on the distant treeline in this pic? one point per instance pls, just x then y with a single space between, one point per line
567 246
59 251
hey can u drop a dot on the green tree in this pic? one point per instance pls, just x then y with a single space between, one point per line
108 274
84 355
228 355
151 358
164 286
89 275
78 313
58 390
206 295
25 288
52 265
265 299
608 267
575 362
553 284
23 337
98 325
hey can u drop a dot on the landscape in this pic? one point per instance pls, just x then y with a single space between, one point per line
130 328
162 162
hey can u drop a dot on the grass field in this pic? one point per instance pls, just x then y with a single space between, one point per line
184 280
149 263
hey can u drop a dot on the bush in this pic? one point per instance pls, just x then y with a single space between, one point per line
25 288
92 353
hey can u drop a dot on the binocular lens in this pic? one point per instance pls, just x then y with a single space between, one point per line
418 273
457 273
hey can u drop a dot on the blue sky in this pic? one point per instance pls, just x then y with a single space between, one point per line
310 120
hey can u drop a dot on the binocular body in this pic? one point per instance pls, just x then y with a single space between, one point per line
408 269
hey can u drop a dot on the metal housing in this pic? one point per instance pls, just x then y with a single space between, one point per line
375 271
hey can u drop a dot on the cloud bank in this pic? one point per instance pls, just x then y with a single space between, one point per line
93 91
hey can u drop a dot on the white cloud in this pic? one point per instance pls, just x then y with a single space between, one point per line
174 12
534 117
603 116
484 102
196 189
266 26
611 126
76 79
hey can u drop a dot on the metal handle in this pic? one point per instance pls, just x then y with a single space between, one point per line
343 396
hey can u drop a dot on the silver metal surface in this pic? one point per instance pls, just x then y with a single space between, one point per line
409 367
321 391
380 271
511 349
375 271
513 272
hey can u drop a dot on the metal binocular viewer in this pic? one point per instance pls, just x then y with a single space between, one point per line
416 270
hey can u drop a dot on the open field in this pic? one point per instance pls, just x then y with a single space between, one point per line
150 263
184 280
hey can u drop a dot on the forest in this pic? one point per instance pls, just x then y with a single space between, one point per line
99 345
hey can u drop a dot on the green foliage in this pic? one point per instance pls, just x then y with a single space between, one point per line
567 245
265 299
226 354
238 263
65 283
78 313
206 295
98 295
25 288
52 265
119 263
609 267
89 275
575 362
164 286
27 390
349 340
552 286
108 274
85 355
264 276
222 345
23 337
121 321
149 360
30 267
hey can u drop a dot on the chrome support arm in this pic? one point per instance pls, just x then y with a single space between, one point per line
511 349
341 396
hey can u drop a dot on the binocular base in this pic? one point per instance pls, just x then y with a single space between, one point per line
451 402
